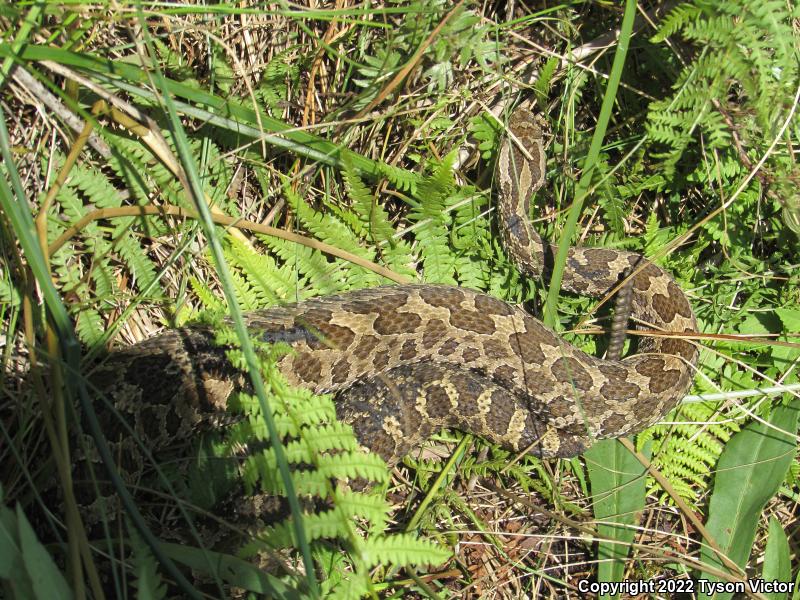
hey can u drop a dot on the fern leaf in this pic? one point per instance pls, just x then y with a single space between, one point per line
90 327
679 17
104 280
352 585
354 465
273 87
402 550
148 582
315 274
139 264
402 179
544 81
485 128
95 186
331 230
377 225
373 508
210 300
328 524
269 284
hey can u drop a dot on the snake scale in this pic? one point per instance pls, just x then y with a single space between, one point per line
408 360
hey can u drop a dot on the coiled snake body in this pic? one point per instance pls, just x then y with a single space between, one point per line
408 360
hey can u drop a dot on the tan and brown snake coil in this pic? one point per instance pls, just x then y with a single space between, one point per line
408 360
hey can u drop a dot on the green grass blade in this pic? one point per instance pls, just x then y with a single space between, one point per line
749 473
16 209
23 34
618 492
222 112
235 312
549 315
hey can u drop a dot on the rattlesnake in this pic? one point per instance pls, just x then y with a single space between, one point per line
410 359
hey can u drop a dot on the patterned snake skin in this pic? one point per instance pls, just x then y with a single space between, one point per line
409 360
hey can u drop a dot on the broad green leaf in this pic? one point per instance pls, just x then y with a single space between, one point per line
777 566
11 570
47 581
9 548
749 472
790 318
618 492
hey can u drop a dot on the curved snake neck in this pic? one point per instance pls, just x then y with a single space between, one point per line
409 360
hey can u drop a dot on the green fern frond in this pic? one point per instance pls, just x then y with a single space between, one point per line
354 465
330 524
330 229
432 221
372 507
471 239
324 226
148 582
245 294
678 18
91 274
376 224
349 585
105 283
544 81
402 550
402 179
485 128
273 89
217 176
143 175
140 266
90 327
528 473
686 453
271 285
369 220
334 436
210 300
95 186
319 450
306 409
748 65
69 200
